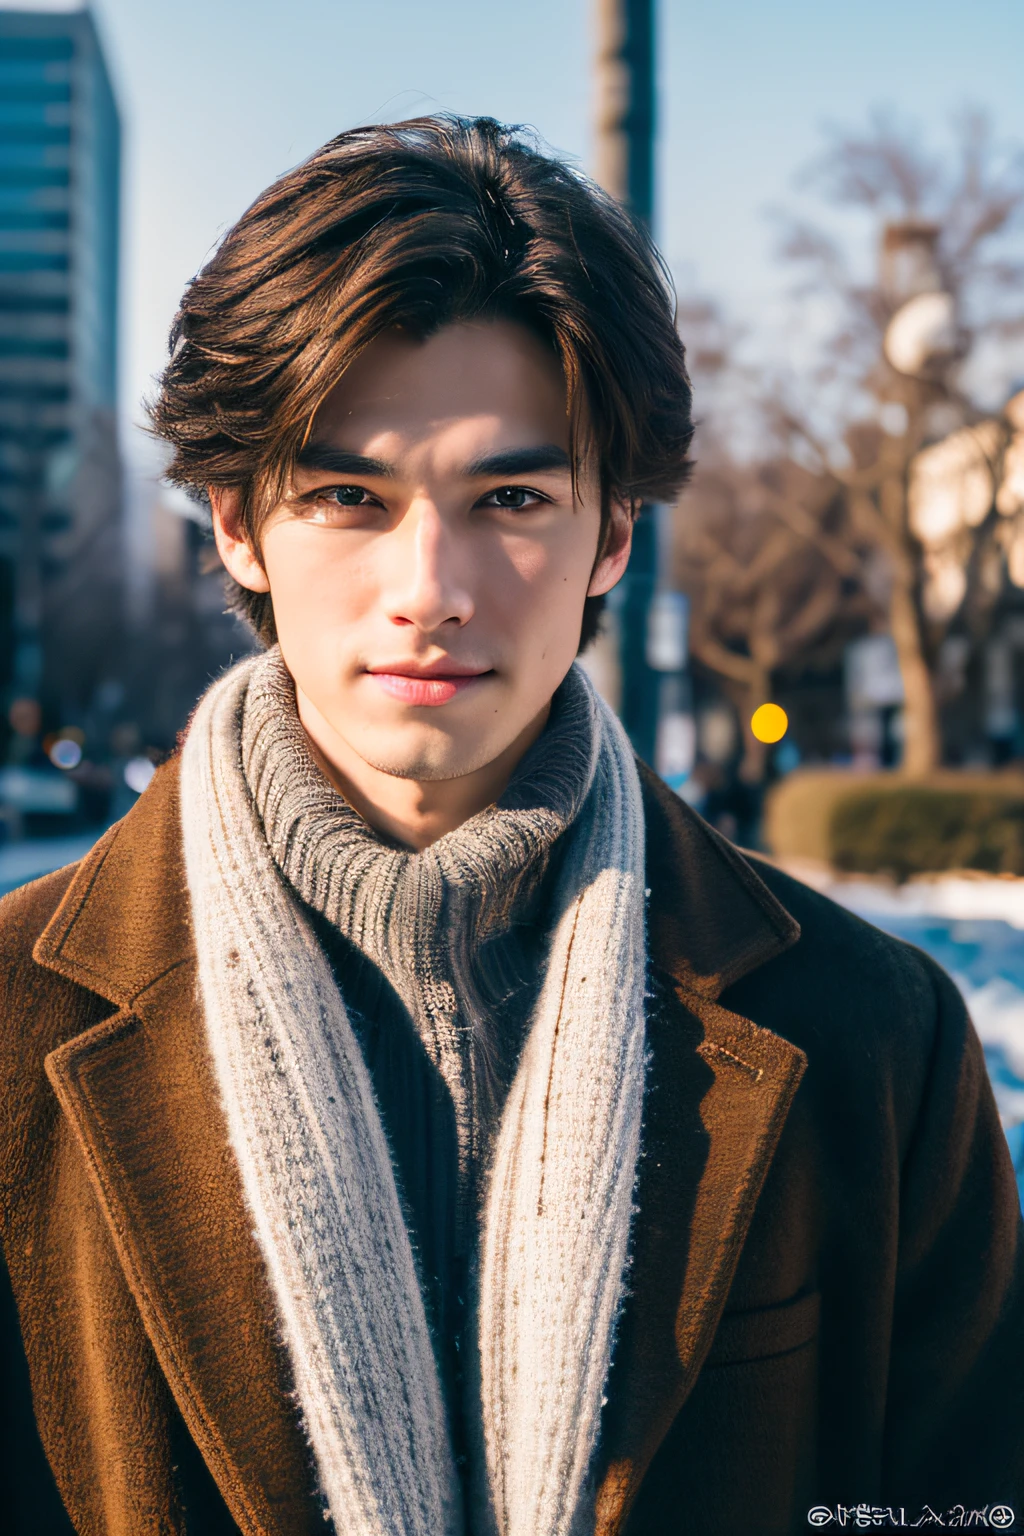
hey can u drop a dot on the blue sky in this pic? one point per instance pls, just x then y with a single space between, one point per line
219 96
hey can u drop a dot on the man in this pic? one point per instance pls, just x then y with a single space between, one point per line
414 1115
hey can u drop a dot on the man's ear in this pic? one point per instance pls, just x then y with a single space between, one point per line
240 560
618 541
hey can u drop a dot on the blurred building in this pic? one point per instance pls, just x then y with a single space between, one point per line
60 477
181 632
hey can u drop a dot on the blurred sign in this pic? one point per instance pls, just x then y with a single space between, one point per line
676 748
717 730
667 618
873 679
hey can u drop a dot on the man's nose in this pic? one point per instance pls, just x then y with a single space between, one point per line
424 579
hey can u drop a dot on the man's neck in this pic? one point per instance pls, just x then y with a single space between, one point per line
415 812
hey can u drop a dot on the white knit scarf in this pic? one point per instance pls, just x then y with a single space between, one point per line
320 1188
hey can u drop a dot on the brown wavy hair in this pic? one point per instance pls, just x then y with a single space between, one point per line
416 225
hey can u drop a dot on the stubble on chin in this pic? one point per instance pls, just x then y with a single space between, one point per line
431 762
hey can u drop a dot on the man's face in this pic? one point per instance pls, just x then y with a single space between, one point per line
429 567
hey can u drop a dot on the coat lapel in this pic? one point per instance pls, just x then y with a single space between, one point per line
138 1090
720 1089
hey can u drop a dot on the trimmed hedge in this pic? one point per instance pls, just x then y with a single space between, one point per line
907 831
882 823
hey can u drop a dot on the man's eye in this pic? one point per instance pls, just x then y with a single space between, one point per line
344 495
515 497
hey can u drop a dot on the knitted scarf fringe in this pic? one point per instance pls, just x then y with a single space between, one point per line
319 1184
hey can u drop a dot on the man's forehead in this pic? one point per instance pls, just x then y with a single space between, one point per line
473 399
462 373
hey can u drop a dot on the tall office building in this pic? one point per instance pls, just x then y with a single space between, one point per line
60 480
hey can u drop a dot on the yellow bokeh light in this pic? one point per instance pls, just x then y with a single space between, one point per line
769 723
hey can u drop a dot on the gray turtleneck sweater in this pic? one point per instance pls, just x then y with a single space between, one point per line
439 956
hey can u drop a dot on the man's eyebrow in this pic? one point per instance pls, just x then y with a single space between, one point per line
338 461
520 461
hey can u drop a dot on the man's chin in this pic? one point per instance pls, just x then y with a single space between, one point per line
427 763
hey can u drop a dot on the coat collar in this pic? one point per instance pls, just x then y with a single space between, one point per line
139 1092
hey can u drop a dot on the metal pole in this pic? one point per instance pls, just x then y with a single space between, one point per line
624 158
624 165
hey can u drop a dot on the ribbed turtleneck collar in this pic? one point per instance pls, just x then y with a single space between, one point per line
358 879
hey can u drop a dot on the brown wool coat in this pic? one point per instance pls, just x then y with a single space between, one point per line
825 1299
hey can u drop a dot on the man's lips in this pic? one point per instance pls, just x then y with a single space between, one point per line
429 685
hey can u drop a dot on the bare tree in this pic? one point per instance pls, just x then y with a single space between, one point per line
764 555
895 379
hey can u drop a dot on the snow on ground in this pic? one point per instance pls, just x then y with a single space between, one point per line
962 897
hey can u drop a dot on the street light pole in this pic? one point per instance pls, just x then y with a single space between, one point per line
625 117
649 619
